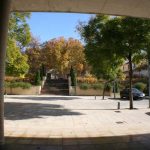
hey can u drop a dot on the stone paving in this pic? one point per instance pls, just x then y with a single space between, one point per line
72 123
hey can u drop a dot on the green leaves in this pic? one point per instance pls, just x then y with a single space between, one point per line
111 40
18 38
99 47
37 78
16 62
14 84
19 29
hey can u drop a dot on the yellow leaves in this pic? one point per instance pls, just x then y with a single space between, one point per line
79 67
63 53
89 79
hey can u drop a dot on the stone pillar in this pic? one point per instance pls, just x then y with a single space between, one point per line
4 18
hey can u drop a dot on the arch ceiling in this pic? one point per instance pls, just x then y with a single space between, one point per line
135 8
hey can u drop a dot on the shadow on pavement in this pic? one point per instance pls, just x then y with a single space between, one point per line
148 113
111 98
50 98
123 99
20 111
128 142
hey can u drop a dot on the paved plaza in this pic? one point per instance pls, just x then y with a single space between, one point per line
75 123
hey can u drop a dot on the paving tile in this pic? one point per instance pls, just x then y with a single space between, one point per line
55 141
70 141
145 143
70 147
77 121
23 141
50 148
86 147
84 141
104 146
135 145
39 142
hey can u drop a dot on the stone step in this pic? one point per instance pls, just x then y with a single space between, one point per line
56 87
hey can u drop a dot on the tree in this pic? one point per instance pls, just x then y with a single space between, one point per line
43 70
105 63
147 56
19 29
33 52
60 54
37 78
129 41
121 37
18 38
73 77
16 63
76 55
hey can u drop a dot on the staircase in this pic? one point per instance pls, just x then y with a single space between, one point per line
55 86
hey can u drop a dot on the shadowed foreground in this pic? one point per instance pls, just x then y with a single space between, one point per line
129 142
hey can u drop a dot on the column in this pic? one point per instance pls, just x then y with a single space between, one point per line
4 18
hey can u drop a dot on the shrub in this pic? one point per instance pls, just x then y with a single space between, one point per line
43 70
140 86
9 78
37 78
116 88
7 84
73 77
97 86
146 90
30 78
23 85
87 80
41 74
84 86
108 87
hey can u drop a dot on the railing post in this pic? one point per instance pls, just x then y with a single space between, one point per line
4 19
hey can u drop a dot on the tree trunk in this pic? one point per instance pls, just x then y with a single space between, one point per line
104 91
114 90
130 81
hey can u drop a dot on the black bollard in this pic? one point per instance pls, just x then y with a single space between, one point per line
118 105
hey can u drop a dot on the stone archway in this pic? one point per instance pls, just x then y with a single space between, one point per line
136 8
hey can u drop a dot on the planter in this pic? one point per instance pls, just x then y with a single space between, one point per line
44 78
91 92
72 90
43 81
34 90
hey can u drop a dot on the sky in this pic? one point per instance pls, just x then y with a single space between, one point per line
46 26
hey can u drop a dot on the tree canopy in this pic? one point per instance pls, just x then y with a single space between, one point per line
59 54
105 63
109 40
18 39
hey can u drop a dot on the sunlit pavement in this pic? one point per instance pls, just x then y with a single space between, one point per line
72 123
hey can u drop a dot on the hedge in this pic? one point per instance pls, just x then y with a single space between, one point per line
86 86
23 85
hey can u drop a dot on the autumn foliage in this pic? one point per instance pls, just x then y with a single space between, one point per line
59 54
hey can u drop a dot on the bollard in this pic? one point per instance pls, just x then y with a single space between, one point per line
118 105
95 97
